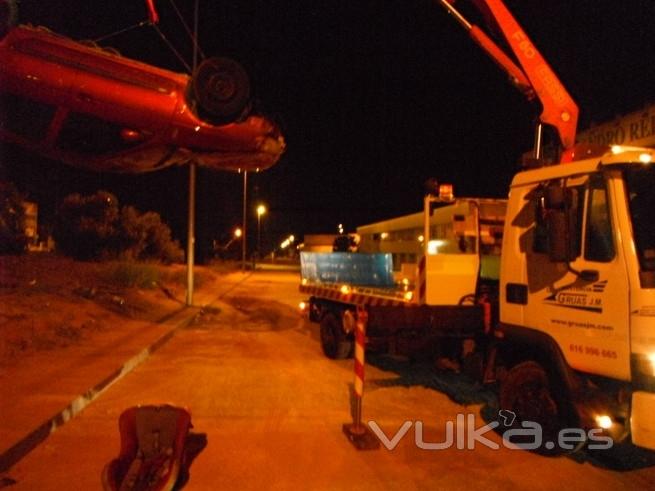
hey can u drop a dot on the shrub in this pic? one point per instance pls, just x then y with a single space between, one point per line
145 236
129 274
95 227
12 220
87 226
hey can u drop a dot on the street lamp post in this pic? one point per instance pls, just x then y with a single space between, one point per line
261 210
244 220
191 228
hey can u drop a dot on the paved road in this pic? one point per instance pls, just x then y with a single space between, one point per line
271 408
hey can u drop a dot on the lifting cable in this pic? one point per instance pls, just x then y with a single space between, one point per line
171 47
168 43
121 31
188 31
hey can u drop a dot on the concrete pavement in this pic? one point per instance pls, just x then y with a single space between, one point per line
270 408
37 400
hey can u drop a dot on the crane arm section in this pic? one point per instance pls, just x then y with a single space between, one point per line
533 77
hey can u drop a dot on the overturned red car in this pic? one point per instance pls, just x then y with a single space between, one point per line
92 108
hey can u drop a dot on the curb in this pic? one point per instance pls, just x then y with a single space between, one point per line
29 442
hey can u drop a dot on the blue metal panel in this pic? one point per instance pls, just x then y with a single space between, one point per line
352 268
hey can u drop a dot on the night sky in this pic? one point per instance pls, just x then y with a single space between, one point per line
374 97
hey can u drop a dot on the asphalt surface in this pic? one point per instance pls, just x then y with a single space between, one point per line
268 410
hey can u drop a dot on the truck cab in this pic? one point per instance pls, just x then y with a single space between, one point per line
577 286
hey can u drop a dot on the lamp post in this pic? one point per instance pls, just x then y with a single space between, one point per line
243 243
191 227
261 210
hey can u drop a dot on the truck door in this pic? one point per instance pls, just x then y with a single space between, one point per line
583 305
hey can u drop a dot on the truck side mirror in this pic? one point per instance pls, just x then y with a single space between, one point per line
555 197
561 222
558 237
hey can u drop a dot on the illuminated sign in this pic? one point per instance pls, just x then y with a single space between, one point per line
634 129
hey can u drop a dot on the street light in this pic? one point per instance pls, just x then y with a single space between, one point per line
287 242
261 210
237 233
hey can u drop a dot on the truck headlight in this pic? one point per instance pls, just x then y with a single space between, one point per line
643 371
604 421
645 364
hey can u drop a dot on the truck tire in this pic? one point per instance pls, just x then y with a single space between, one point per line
526 392
334 341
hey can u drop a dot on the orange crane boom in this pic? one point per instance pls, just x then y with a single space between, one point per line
534 77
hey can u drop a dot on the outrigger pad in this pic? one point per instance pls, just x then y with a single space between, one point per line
152 449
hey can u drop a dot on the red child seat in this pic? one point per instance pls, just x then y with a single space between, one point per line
152 446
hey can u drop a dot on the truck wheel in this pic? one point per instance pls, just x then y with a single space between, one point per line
526 392
335 343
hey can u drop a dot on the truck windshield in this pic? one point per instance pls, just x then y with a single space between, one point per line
640 182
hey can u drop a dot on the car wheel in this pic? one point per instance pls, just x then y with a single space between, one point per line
220 89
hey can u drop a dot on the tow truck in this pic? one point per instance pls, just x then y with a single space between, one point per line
570 334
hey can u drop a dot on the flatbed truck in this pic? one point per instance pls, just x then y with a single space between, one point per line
567 329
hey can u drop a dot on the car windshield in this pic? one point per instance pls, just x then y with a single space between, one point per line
640 182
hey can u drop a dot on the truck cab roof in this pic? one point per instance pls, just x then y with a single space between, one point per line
595 158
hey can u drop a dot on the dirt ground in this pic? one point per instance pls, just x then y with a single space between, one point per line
49 302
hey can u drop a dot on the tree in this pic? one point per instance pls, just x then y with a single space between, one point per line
145 236
95 227
87 226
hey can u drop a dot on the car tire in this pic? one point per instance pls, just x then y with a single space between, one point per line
220 91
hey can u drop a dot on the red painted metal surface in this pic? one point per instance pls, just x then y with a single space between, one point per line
92 108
